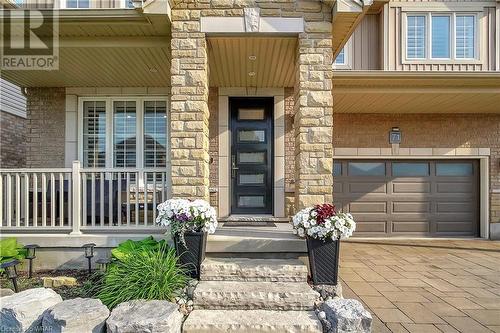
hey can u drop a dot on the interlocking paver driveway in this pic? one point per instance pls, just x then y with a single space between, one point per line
425 286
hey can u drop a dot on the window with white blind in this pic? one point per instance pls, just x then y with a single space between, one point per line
441 36
77 3
124 132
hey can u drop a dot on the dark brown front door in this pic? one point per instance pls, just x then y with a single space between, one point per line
251 155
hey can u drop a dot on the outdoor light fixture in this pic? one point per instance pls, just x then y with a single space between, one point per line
30 255
395 136
89 253
11 271
252 57
251 73
103 264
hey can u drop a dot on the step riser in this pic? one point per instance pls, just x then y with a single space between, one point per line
253 278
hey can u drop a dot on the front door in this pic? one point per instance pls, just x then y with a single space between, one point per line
251 155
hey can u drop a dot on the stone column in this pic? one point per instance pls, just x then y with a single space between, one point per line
313 120
189 107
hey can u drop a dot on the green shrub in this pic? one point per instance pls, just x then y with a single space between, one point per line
144 273
10 249
130 246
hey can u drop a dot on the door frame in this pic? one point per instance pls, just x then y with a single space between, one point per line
224 158
483 158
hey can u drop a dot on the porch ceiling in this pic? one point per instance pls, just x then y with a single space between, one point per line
231 64
401 92
117 47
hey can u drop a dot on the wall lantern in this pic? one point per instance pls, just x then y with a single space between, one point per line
30 255
11 271
89 253
395 136
103 264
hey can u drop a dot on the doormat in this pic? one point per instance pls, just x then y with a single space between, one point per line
249 224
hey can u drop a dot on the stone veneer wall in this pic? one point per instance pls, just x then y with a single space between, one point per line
12 141
213 131
427 131
45 127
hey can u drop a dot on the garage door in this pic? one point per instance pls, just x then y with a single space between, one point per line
409 198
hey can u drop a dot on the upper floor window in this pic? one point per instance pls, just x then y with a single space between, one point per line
77 3
341 58
344 59
441 36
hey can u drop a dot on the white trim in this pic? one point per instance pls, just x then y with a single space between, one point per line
428 38
348 57
484 190
269 25
225 146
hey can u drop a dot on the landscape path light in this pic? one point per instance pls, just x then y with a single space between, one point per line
11 272
89 253
30 255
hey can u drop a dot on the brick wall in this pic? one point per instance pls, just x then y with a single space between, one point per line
427 131
12 141
213 133
45 127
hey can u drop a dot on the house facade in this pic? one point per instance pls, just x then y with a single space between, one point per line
388 109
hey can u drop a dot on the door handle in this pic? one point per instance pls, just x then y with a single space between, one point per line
233 166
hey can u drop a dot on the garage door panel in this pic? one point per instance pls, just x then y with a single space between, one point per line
368 188
410 226
411 207
368 207
404 187
423 203
452 188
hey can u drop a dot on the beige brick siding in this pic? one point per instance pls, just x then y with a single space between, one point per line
12 141
213 133
429 131
45 127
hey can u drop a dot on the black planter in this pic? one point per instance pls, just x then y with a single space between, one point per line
192 254
324 260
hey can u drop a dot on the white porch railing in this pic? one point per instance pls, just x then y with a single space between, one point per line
77 200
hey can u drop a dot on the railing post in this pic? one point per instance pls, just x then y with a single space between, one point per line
76 198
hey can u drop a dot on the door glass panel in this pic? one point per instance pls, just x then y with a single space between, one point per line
251 179
337 168
251 201
94 134
252 136
155 134
252 157
124 134
410 169
366 169
454 169
250 114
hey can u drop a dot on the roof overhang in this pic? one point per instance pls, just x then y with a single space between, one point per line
105 47
417 92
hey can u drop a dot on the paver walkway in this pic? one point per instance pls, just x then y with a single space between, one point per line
425 286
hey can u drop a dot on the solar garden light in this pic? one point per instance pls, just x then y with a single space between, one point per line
30 255
11 271
89 253
103 264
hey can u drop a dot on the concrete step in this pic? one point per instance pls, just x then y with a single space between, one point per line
225 295
243 269
252 321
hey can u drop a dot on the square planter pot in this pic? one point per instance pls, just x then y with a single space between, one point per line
324 260
192 254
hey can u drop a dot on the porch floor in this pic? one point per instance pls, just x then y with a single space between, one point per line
425 285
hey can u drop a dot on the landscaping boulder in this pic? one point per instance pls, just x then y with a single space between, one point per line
58 281
345 315
6 292
22 312
76 316
145 317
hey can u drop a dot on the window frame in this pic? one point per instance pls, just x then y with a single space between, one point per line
347 64
63 4
109 152
428 59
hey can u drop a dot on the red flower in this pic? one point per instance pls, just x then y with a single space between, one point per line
323 212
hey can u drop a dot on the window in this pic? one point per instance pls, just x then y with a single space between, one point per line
415 43
366 169
454 169
77 3
410 169
341 58
124 132
438 36
465 36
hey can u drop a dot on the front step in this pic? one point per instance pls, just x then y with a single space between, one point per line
252 321
243 269
254 295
